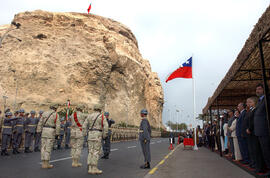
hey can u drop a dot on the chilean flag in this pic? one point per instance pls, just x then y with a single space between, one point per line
184 71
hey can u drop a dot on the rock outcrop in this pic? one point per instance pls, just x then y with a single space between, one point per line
53 57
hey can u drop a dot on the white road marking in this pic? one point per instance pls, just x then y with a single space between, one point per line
131 146
158 141
61 159
152 143
114 149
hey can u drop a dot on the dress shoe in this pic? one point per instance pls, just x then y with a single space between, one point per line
266 174
6 153
17 151
258 171
145 166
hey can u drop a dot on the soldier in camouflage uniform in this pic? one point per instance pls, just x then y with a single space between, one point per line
97 129
49 125
76 136
30 131
7 133
18 131
38 135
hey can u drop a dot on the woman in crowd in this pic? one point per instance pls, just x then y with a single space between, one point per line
225 128
237 153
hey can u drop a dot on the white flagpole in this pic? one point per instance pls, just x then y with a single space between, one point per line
194 106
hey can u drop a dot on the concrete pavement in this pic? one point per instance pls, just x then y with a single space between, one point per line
196 164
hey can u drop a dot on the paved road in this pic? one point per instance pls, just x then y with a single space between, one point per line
125 159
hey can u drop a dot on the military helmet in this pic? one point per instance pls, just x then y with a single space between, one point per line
97 107
80 106
16 112
54 106
32 112
21 111
144 111
106 114
8 113
7 110
40 112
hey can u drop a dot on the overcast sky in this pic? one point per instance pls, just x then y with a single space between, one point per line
168 33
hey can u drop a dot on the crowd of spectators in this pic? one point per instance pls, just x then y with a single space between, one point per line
242 133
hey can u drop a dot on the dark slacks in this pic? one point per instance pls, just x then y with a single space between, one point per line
259 162
59 141
243 146
146 150
17 139
37 140
265 147
5 141
106 144
231 146
251 149
28 139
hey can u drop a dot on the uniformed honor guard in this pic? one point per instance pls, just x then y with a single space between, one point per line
49 125
144 137
67 133
97 129
18 131
106 142
7 132
62 133
38 135
1 123
76 135
30 130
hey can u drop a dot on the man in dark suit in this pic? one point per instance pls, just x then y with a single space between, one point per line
242 141
261 129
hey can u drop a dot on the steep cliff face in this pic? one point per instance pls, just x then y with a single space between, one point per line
88 59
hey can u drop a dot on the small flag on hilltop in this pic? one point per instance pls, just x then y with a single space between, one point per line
89 8
184 71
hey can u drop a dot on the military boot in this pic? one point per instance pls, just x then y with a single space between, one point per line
74 162
78 164
14 151
26 150
90 170
44 165
49 166
3 153
96 170
37 149
6 153
17 151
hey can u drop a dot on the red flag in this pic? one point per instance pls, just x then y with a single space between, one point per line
89 8
184 71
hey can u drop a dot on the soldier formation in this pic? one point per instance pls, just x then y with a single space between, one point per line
19 130
48 130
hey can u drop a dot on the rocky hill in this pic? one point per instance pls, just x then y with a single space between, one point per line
53 57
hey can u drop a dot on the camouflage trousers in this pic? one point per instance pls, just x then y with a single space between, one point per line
46 148
94 148
76 147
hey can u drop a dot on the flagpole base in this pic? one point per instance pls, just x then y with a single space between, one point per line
195 148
